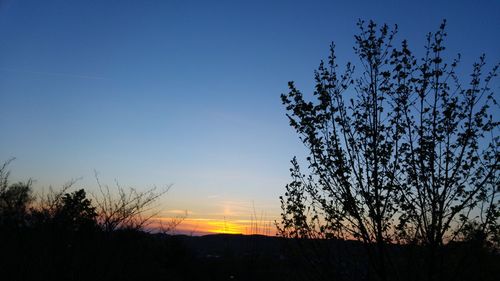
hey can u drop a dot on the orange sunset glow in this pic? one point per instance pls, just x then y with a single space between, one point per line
219 215
202 226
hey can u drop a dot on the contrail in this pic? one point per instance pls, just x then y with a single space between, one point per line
70 75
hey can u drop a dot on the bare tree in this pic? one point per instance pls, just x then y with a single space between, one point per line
126 208
48 201
167 227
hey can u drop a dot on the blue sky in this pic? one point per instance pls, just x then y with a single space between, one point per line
186 92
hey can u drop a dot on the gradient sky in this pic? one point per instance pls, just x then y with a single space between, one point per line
187 92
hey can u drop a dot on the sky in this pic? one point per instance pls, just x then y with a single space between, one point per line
153 93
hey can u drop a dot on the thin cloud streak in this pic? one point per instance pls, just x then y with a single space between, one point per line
60 74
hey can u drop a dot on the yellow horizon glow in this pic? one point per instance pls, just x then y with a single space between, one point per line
197 226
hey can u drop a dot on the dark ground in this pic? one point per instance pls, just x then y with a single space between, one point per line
42 254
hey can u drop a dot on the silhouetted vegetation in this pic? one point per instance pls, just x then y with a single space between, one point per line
402 184
64 235
402 152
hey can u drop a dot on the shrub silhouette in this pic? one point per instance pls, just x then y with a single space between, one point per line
75 212
14 199
125 208
14 203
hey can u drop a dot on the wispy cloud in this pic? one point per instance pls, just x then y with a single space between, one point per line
178 212
59 74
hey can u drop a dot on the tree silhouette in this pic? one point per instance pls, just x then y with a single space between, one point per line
14 199
75 212
403 152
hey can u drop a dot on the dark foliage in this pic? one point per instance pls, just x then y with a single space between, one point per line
75 213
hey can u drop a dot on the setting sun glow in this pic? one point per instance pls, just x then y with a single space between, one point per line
199 226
